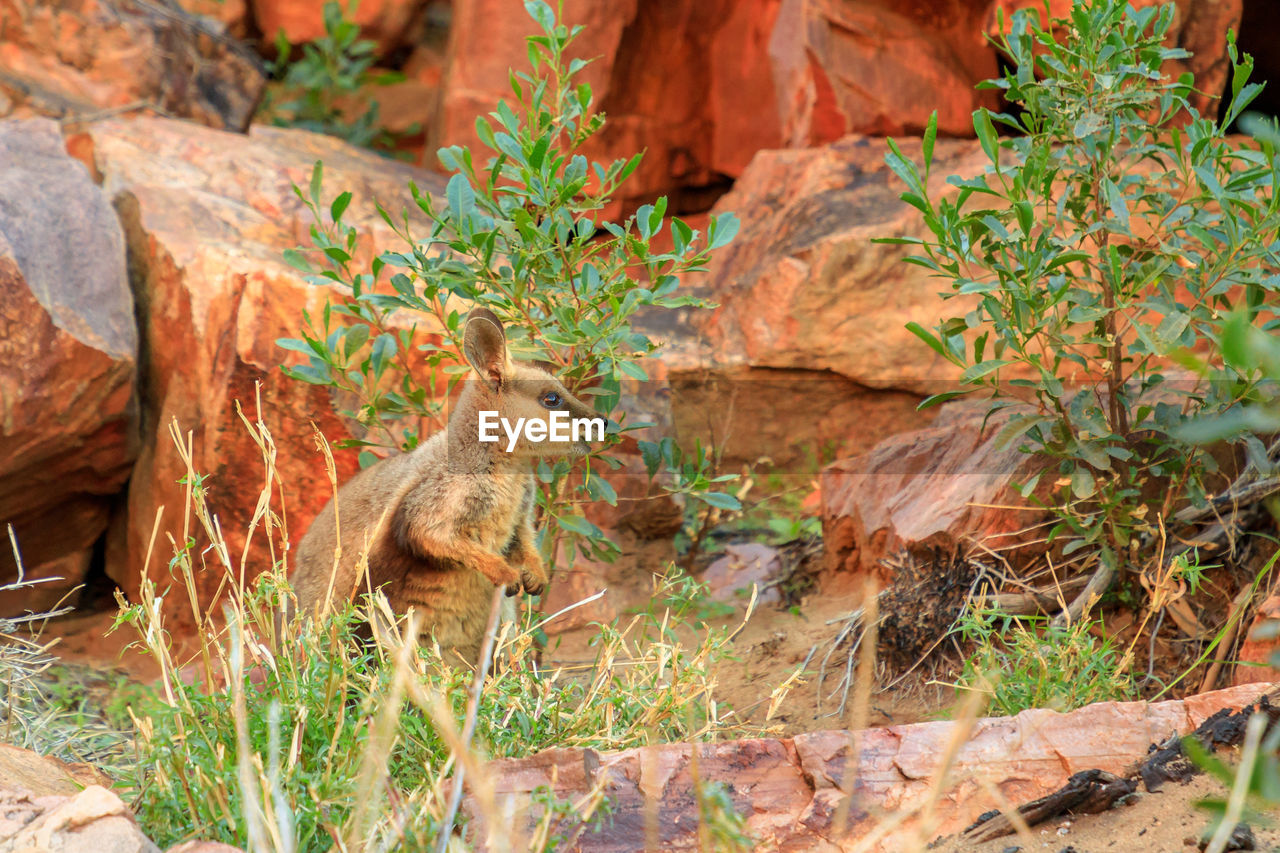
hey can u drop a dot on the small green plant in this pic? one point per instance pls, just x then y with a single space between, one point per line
520 230
1105 236
1031 664
333 68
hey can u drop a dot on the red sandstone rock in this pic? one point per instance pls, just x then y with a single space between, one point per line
936 487
68 347
789 789
879 67
702 105
1256 658
208 216
803 287
84 57
94 820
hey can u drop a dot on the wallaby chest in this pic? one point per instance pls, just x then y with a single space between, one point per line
490 507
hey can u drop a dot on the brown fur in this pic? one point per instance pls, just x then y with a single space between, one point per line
445 523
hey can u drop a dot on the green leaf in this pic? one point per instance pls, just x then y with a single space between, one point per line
930 135
298 261
940 398
974 372
579 525
719 500
1082 482
926 336
339 206
317 179
986 132
1015 429
633 370
461 197
541 13
294 345
355 338
723 229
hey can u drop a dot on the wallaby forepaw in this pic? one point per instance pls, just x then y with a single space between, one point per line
534 584
533 576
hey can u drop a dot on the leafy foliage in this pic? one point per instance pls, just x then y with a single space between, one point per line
1023 665
334 67
1113 228
522 232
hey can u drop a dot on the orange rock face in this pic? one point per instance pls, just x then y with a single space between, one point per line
803 287
879 67
81 57
701 104
929 488
208 216
68 348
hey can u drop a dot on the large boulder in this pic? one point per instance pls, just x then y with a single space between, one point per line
86 58
208 216
68 349
942 487
807 358
803 286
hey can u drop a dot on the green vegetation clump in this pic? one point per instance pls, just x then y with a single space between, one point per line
1114 229
1023 664
522 230
316 90
316 736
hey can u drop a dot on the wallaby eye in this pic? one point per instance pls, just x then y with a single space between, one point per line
551 400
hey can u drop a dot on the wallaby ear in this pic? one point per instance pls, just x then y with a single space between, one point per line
485 346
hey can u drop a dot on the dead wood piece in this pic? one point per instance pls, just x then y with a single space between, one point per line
1093 791
1086 792
1168 762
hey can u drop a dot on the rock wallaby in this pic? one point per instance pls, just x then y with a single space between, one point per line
446 522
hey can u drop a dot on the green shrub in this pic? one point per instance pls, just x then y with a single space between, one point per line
1029 664
334 67
1105 236
523 233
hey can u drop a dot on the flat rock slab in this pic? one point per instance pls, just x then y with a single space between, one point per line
790 790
